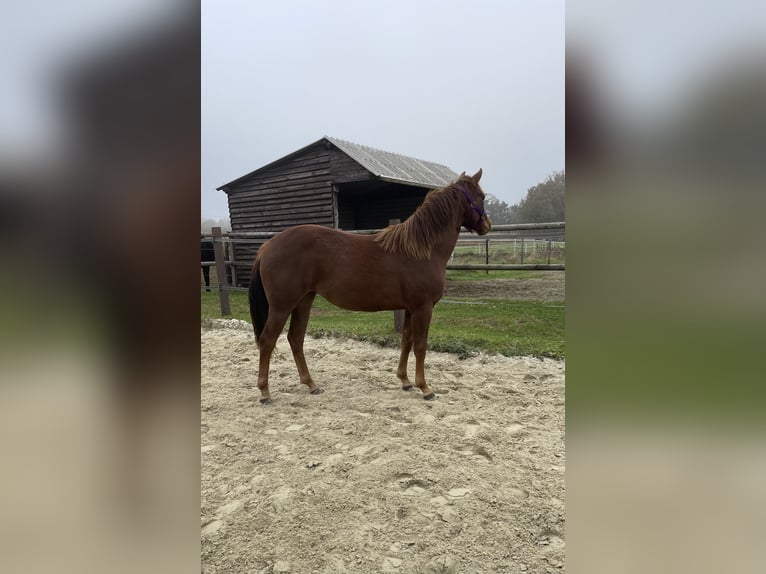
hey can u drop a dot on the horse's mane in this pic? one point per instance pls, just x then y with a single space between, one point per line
416 236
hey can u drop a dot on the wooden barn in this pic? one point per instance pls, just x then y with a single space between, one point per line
330 182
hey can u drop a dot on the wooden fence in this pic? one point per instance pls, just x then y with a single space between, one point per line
542 236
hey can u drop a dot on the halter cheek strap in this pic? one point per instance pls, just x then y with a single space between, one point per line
474 207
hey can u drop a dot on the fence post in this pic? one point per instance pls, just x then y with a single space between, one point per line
549 252
522 250
486 254
399 313
220 270
233 267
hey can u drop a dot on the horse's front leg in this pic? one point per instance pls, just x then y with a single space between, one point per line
401 370
421 321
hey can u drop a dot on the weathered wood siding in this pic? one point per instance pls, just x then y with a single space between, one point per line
293 192
345 170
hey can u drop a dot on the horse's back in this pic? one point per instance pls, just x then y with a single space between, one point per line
352 271
316 240
312 251
314 258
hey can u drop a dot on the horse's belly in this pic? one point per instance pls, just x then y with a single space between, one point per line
358 300
378 295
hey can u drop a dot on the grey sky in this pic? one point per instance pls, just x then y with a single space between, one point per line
466 84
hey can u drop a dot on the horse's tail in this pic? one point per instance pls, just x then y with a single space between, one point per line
259 305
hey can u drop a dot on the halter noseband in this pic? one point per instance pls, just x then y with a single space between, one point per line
474 207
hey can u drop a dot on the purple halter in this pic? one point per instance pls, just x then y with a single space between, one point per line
474 207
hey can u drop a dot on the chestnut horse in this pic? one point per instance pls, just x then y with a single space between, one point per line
402 267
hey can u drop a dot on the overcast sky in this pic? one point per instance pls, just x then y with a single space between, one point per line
467 84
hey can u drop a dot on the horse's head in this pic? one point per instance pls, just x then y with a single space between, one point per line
474 216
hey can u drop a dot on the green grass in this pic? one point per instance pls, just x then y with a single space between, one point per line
509 328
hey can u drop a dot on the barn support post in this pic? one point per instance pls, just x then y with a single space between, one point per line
220 269
335 213
399 313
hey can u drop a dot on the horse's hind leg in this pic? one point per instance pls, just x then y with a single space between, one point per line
296 335
266 342
401 370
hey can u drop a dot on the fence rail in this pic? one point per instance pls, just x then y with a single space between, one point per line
523 237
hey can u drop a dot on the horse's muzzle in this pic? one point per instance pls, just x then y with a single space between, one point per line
485 225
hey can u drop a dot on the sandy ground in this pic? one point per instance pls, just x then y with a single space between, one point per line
367 478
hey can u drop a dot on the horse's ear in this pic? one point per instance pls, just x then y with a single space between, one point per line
461 175
477 176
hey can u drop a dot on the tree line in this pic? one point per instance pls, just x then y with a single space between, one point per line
543 203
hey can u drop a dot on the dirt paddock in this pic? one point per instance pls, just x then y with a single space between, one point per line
548 286
366 478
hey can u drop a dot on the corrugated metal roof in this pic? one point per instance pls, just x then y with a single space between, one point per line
386 165
396 167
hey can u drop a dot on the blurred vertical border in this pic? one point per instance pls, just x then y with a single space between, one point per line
666 314
99 215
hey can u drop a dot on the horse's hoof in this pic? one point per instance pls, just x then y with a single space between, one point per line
407 388
316 391
430 397
265 401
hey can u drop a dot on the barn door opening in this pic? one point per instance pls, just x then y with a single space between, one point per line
371 205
